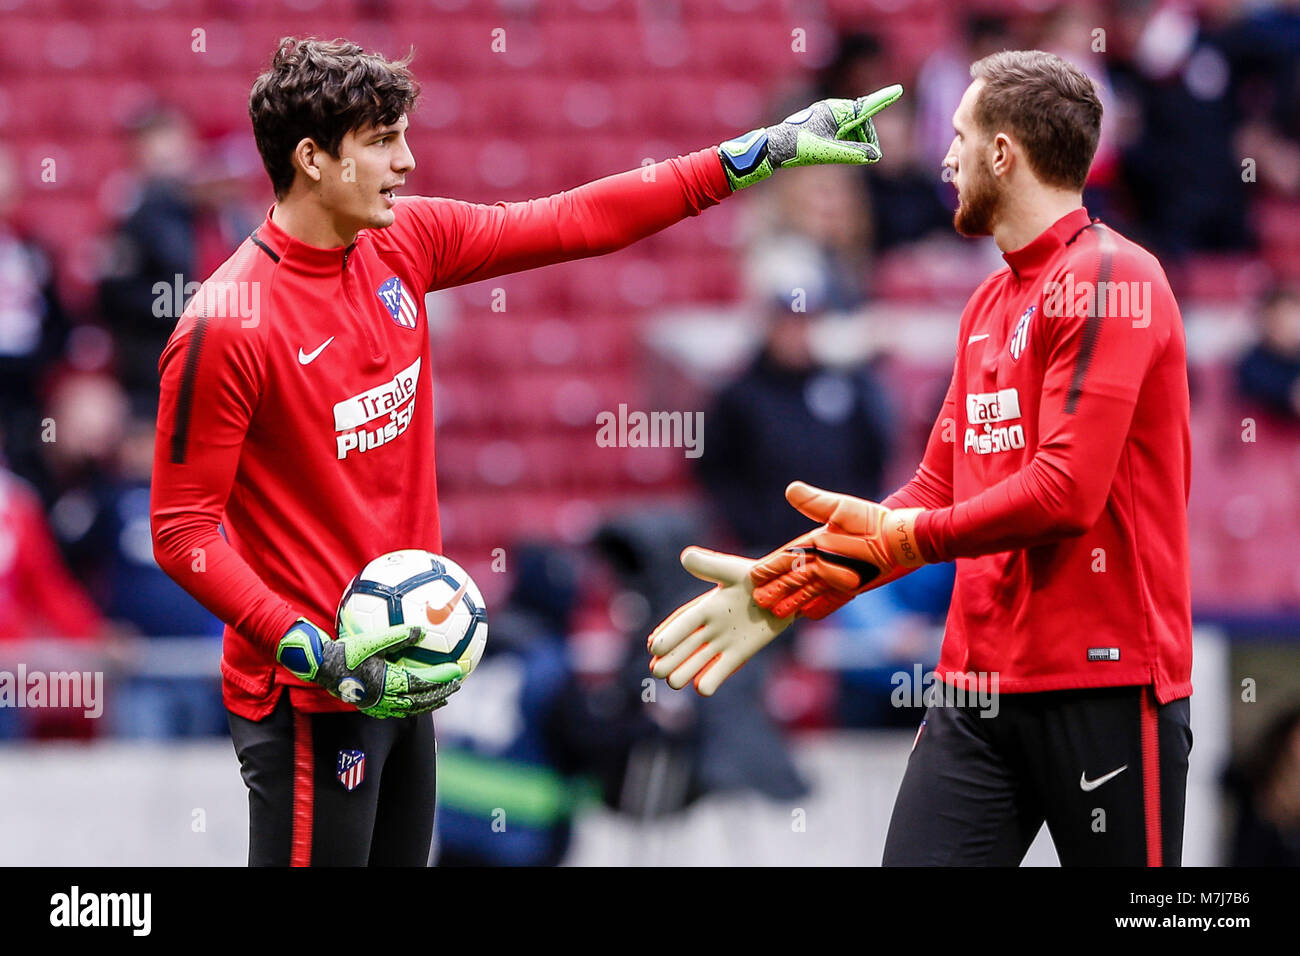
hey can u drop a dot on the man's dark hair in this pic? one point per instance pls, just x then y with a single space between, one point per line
1050 106
323 90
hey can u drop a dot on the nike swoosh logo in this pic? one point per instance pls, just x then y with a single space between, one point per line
306 358
1087 785
977 338
437 616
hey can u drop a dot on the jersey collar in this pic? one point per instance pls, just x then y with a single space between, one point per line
296 254
1027 261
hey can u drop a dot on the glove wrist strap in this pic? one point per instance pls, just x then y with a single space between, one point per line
745 159
899 534
300 650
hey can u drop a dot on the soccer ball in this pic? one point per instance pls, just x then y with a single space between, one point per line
418 587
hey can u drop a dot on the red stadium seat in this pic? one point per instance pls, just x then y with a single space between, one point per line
1278 223
591 47
444 164
41 104
744 46
1222 278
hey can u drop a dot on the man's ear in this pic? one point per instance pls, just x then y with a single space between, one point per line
305 156
1003 155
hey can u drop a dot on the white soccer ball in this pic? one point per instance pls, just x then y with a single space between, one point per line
418 587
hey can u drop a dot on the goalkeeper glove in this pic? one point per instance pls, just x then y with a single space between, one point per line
707 640
354 668
829 131
860 546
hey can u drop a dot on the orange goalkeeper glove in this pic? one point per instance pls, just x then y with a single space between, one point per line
860 546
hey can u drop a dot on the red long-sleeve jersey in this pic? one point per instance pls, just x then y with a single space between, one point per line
1058 471
296 403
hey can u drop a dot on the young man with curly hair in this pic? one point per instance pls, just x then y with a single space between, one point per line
296 414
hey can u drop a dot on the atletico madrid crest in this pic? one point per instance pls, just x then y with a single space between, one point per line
398 302
352 768
1021 334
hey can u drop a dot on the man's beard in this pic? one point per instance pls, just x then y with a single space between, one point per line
978 205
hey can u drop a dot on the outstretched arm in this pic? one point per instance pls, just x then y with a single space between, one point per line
472 241
466 242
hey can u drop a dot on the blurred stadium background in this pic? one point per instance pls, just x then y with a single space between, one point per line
126 161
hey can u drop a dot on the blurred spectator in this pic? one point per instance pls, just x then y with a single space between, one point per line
33 328
906 207
1073 31
98 465
729 743
1266 788
1182 177
787 417
860 67
943 78
38 595
525 730
192 210
1269 373
136 592
827 209
1264 50
155 244
230 193
87 413
879 634
39 599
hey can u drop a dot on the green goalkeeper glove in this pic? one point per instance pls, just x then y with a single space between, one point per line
354 668
829 131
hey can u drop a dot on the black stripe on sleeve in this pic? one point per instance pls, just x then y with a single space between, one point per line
185 398
1092 324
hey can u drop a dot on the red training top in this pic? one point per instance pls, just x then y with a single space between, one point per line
297 410
1058 472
